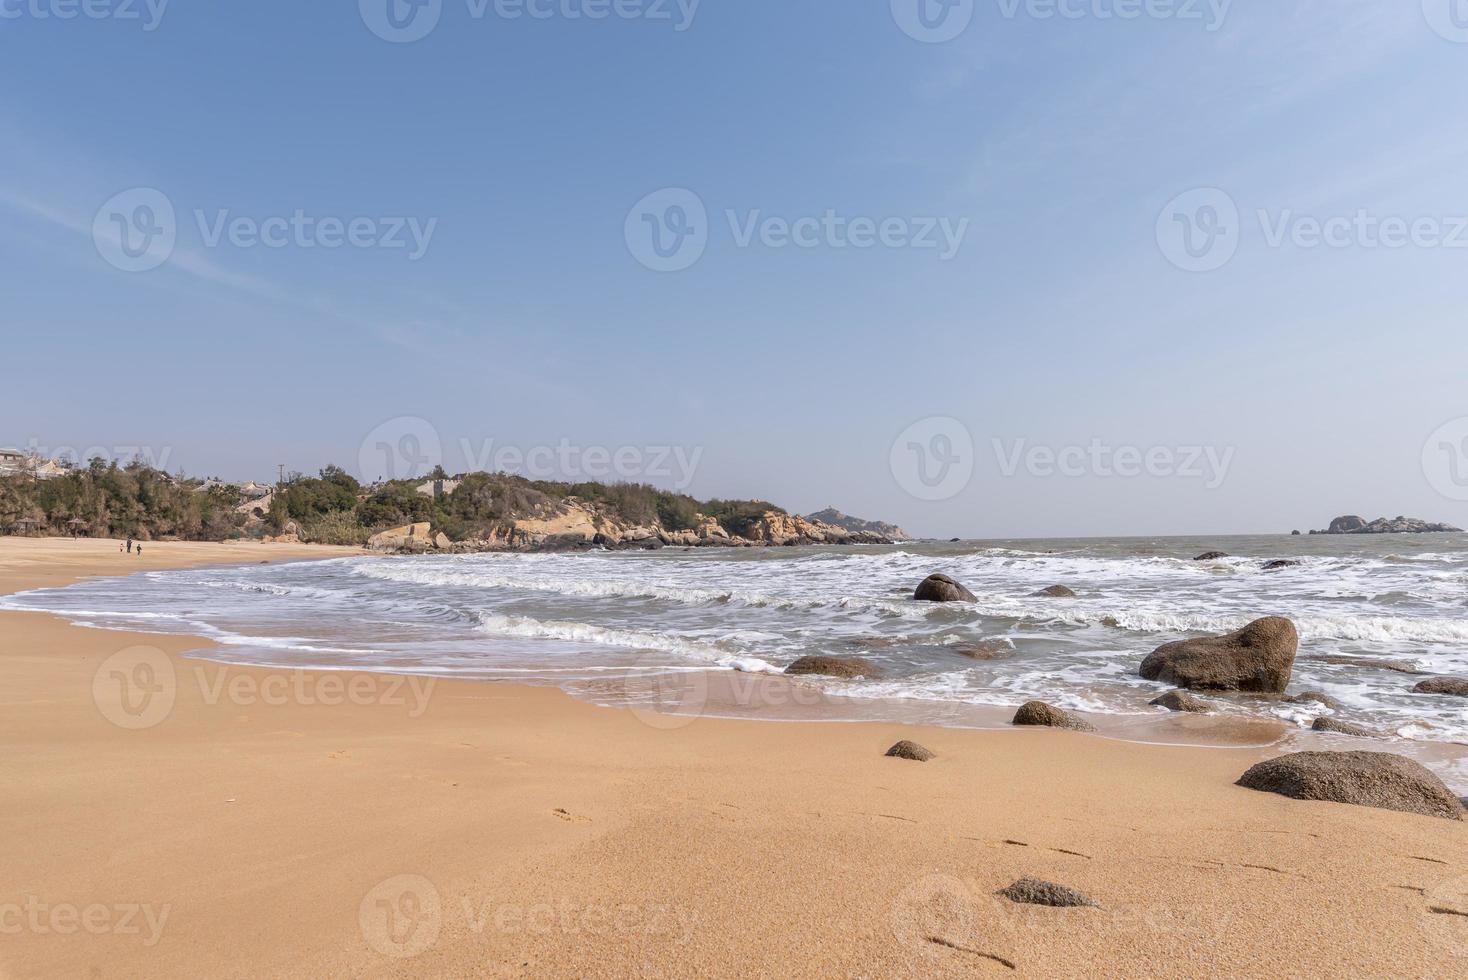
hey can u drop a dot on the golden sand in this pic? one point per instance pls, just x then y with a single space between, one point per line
165 816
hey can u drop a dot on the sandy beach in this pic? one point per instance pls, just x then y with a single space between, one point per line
168 816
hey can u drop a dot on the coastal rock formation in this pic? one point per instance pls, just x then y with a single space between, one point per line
844 667
1181 701
409 537
1279 563
1351 524
1211 556
1454 686
856 525
1048 716
1375 779
941 588
1034 891
1258 658
1342 728
1054 592
909 750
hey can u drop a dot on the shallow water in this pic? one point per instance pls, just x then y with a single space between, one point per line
624 628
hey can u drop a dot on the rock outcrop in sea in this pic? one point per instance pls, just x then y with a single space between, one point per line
1351 524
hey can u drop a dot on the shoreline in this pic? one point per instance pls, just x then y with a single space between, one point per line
545 834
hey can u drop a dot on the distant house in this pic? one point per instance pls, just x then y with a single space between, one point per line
255 491
438 489
12 462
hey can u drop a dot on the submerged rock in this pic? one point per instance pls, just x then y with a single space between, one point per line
1313 697
1181 701
909 750
1034 891
1257 658
1342 728
985 649
1054 592
1048 716
1400 666
1374 779
834 667
1211 556
1454 686
941 588
1279 563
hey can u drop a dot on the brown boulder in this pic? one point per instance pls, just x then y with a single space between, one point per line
909 750
1454 686
1257 658
1054 592
1048 716
1335 727
834 667
1033 891
1181 701
941 588
1375 779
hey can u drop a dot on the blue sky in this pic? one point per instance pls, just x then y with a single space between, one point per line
1319 373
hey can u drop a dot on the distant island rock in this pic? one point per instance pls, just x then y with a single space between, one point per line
856 525
1351 524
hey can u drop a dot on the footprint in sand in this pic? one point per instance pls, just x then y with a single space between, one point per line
570 817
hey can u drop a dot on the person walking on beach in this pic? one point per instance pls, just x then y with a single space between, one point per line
140 549
129 544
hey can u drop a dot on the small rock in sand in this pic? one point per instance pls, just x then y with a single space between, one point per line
1457 687
1033 891
1375 779
834 667
1048 716
909 750
1054 592
941 588
1342 728
1181 701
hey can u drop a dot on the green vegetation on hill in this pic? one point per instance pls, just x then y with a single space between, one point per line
333 507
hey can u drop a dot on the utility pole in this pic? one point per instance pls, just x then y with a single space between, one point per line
281 478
